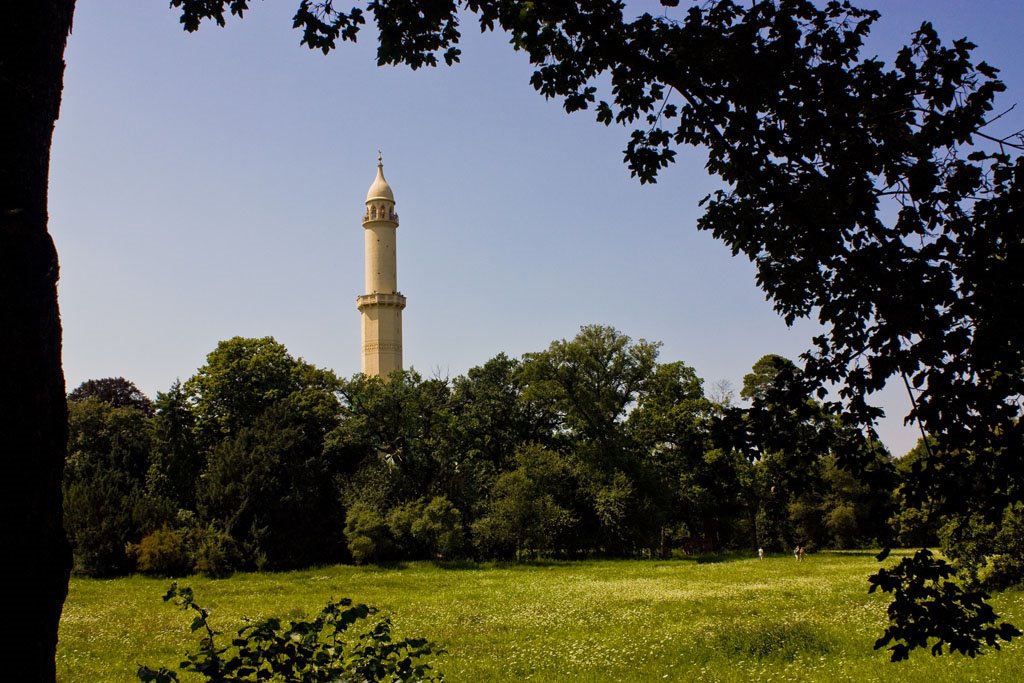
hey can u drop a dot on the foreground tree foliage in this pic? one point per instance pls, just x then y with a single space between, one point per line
314 651
816 145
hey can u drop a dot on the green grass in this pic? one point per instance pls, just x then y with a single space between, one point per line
736 620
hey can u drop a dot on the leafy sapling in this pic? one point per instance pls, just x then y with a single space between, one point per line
317 651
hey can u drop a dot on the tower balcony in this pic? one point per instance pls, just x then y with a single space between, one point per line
382 213
396 300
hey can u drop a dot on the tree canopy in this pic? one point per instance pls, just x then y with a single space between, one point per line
589 446
117 391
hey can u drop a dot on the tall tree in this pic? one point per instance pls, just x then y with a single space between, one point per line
242 377
271 488
591 382
260 420
399 429
33 409
105 502
858 515
704 498
175 461
763 374
491 417
117 391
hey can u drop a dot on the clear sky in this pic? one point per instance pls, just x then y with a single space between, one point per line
210 185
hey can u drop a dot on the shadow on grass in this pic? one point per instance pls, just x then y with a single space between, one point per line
779 641
547 562
873 552
396 565
714 558
855 553
458 565
465 565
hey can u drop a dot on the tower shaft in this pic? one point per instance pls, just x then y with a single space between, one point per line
382 304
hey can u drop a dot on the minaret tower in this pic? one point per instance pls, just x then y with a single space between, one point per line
381 306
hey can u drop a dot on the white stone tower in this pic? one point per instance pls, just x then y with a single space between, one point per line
381 306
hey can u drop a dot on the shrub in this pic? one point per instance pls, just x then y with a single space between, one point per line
1006 564
367 534
968 539
914 528
302 652
162 553
213 552
425 528
439 528
842 523
401 520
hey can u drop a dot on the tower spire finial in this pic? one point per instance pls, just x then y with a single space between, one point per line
380 188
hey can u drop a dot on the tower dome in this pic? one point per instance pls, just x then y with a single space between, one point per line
380 188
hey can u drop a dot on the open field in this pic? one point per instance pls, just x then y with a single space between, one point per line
681 620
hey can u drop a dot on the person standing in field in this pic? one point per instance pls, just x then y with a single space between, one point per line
760 553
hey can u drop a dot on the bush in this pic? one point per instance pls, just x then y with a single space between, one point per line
1006 563
213 552
367 534
302 652
968 540
842 523
401 520
162 553
914 528
425 528
439 528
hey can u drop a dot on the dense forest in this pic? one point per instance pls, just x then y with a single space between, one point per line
590 447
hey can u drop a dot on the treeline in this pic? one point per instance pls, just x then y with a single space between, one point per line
263 461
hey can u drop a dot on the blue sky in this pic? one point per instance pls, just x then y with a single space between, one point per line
210 185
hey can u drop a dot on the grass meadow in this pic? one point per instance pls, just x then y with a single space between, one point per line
710 619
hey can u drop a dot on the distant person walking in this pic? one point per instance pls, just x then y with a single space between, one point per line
800 553
797 552
760 553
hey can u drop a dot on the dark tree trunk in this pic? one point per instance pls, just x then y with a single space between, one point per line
33 411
